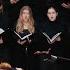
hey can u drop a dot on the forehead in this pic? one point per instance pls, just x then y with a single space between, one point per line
51 10
25 11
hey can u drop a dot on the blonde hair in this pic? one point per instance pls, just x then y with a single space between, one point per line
5 65
20 25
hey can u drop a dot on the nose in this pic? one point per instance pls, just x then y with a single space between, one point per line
51 15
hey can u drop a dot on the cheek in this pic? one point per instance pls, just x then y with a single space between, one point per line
23 16
54 16
48 15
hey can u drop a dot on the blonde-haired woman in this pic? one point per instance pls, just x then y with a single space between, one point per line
25 22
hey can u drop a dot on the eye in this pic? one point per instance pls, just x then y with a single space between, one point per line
49 13
53 12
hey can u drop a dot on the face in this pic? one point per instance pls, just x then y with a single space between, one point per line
13 1
52 14
25 15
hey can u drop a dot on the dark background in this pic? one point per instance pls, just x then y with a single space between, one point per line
39 8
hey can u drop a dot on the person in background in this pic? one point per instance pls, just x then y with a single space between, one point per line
4 55
64 12
12 7
5 66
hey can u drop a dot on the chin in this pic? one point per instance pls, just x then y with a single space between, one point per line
52 19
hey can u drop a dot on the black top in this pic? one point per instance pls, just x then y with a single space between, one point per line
24 33
4 21
53 27
12 10
38 43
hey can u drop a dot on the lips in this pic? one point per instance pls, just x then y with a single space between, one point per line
51 17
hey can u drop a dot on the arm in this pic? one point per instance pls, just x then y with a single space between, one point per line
43 52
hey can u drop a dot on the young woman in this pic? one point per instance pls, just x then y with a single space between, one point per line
25 22
51 27
24 26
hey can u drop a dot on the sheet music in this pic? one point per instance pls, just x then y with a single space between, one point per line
22 38
53 38
1 31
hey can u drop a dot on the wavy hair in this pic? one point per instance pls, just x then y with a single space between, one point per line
20 21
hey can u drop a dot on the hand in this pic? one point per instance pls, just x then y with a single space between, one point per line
50 42
21 42
13 1
29 41
1 7
46 52
66 5
1 40
57 39
37 52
